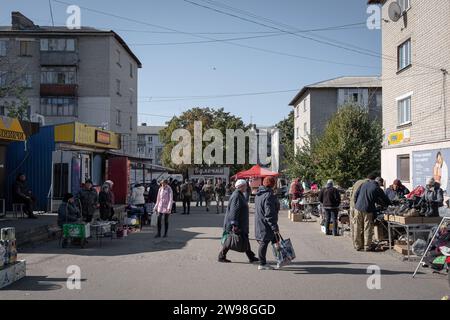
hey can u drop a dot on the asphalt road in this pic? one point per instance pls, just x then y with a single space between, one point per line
184 266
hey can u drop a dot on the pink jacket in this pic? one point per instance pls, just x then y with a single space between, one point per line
164 200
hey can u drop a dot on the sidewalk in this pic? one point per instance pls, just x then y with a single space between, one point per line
31 231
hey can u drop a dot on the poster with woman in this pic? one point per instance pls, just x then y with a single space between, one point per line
431 164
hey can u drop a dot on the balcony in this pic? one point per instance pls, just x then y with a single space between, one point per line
59 58
64 90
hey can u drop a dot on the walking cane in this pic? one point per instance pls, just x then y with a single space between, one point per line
429 245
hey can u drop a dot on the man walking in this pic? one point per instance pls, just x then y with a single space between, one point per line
330 199
367 197
237 220
220 191
186 190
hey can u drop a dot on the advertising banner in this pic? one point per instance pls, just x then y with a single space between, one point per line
431 164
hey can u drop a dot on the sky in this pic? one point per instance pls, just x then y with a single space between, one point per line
173 73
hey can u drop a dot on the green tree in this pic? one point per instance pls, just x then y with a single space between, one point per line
303 163
211 119
350 147
286 128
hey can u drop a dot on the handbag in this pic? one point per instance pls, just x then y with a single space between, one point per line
283 251
236 242
154 219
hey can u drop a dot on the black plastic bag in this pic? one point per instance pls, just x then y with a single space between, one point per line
237 242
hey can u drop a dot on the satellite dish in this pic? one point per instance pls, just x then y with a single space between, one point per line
395 11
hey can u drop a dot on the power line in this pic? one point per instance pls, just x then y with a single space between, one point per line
346 47
210 38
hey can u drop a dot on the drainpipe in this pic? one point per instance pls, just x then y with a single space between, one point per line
444 99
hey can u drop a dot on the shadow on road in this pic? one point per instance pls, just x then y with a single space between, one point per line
140 242
337 270
37 283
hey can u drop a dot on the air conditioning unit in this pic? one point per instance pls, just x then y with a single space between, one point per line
38 118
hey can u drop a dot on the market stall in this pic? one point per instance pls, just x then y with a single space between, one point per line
255 176
11 269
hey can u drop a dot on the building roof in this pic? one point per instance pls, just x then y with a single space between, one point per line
37 30
149 129
340 82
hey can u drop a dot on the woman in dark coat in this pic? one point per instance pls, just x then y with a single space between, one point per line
266 220
106 201
88 198
67 211
237 220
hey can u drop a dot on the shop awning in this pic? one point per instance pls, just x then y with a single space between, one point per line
13 129
255 172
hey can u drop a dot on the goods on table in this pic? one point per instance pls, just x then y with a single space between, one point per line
8 247
76 230
8 234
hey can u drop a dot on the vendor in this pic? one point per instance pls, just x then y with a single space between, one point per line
68 212
434 198
396 191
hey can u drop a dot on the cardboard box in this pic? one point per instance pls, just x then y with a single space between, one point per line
432 220
380 233
389 217
11 273
402 249
408 220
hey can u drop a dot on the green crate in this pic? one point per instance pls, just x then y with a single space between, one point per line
74 230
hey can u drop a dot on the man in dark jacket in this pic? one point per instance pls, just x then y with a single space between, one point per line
330 199
237 220
266 220
396 191
106 201
88 198
368 195
22 194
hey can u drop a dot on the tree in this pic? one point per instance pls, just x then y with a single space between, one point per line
210 119
303 163
350 147
12 91
286 128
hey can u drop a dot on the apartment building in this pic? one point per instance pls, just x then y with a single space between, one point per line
150 145
415 92
315 104
84 75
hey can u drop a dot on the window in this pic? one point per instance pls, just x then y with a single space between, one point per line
131 70
118 58
58 75
58 45
118 87
58 106
403 164
150 139
118 118
404 110
3 78
297 133
131 123
2 111
150 150
404 55
304 105
27 81
404 4
305 128
25 48
3 45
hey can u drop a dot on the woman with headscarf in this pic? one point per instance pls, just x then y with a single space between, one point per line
237 221
163 207
433 197
330 199
266 220
106 201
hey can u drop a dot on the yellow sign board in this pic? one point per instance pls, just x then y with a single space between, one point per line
83 134
11 129
399 137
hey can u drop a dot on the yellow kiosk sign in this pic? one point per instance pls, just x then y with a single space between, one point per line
82 134
11 129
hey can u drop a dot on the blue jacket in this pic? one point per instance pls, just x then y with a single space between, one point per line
266 215
237 213
368 195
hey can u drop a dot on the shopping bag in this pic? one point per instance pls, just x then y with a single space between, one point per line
224 237
154 219
236 242
283 251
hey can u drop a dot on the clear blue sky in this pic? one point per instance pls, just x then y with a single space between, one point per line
219 68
